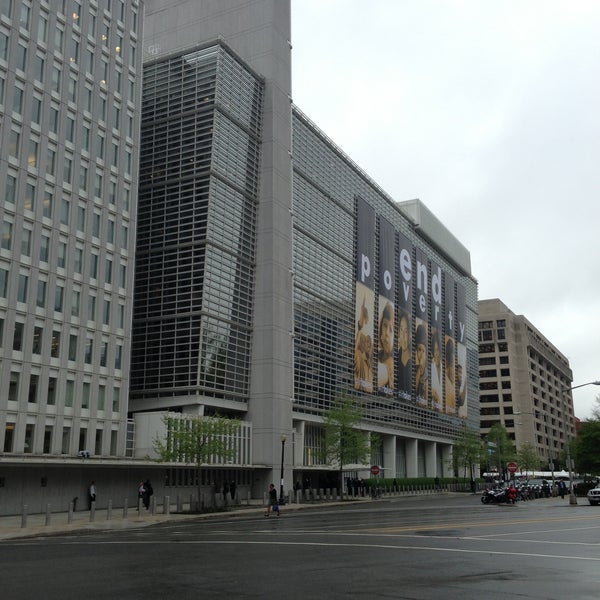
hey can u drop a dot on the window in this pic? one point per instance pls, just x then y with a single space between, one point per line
38 68
106 312
72 347
103 354
29 197
67 170
11 189
29 437
83 178
36 110
23 288
51 397
89 344
55 344
61 260
36 347
98 444
66 440
18 100
44 248
14 143
42 35
92 308
85 395
25 20
96 225
70 129
48 431
47 205
65 207
69 393
7 229
110 231
32 155
3 282
26 242
33 389
13 387
9 431
75 303
81 218
21 57
78 260
41 294
115 401
93 266
101 397
56 78
118 356
108 271
59 293
18 337
51 162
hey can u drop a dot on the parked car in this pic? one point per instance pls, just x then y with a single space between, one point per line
593 495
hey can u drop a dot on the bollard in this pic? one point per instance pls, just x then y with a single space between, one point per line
92 512
167 505
48 514
109 510
24 516
70 513
125 508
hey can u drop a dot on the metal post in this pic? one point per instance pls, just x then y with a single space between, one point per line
281 482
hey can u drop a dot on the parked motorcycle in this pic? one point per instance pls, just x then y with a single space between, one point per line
494 496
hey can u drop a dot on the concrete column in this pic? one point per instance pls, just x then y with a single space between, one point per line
431 459
389 456
412 458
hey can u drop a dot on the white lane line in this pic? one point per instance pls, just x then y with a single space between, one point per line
324 545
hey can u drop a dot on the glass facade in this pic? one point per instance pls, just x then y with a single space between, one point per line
68 72
326 183
199 170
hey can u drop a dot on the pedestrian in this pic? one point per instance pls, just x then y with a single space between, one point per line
92 493
272 505
141 492
562 488
232 488
147 493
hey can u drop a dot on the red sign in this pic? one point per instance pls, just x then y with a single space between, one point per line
511 467
375 470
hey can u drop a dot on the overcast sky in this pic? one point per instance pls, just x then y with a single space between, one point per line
489 112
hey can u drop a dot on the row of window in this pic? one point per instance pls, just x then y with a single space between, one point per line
44 342
55 440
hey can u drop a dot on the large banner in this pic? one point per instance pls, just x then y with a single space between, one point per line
365 296
450 348
410 321
435 345
404 317
386 313
461 352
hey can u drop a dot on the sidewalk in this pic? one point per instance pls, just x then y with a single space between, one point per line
11 527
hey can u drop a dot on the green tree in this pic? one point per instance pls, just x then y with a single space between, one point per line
500 448
585 447
528 458
344 443
466 452
198 440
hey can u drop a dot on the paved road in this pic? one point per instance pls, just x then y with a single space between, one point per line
445 547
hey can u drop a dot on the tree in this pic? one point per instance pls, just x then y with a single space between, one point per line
466 451
344 444
585 447
500 447
198 440
528 458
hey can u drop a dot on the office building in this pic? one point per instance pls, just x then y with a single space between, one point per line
522 383
69 133
261 246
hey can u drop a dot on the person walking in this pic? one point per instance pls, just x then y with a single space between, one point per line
141 491
92 493
147 494
272 506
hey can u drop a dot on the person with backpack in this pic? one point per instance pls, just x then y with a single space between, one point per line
272 506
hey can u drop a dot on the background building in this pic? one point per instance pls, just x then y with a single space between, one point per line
522 383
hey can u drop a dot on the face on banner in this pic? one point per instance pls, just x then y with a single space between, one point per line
363 341
385 353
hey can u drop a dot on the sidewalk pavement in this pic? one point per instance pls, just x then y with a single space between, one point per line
39 525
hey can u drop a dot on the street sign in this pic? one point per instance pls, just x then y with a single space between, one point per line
512 467
375 470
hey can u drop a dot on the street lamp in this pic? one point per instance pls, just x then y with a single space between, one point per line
572 496
281 499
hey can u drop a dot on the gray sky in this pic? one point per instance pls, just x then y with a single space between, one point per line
489 112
